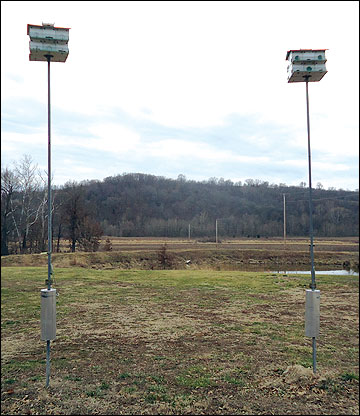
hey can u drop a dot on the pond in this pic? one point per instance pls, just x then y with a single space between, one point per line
333 272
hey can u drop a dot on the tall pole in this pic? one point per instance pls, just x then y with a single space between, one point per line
216 231
189 232
313 283
284 220
50 44
49 281
49 181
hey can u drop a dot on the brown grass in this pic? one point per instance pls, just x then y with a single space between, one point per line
179 342
245 254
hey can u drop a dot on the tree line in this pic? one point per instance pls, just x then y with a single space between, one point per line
136 204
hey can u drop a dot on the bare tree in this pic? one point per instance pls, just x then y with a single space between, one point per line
26 208
90 234
9 185
43 211
81 228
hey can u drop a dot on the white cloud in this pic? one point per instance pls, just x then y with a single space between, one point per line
185 149
112 138
188 65
15 140
315 165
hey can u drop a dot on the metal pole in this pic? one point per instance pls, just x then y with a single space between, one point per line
49 182
189 232
49 281
47 363
314 354
313 283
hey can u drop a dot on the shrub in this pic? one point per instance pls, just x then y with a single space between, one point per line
164 258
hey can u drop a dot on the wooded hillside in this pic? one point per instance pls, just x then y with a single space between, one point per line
135 204
147 205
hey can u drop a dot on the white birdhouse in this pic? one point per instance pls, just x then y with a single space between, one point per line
48 40
305 63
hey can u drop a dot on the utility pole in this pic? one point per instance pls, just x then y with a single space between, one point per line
284 220
216 231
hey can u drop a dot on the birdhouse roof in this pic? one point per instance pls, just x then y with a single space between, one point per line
46 27
303 50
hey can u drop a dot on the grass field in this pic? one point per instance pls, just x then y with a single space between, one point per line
236 254
178 342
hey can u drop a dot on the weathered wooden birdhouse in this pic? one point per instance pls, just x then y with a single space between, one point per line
48 40
306 65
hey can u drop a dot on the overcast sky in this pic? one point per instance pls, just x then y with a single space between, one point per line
192 88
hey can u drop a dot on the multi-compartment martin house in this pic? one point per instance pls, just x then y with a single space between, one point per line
306 64
48 40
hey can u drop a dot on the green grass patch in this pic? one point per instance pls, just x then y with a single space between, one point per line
10 381
195 377
350 376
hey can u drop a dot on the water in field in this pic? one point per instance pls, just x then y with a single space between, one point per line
333 272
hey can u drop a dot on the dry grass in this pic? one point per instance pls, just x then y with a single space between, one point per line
245 254
178 342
